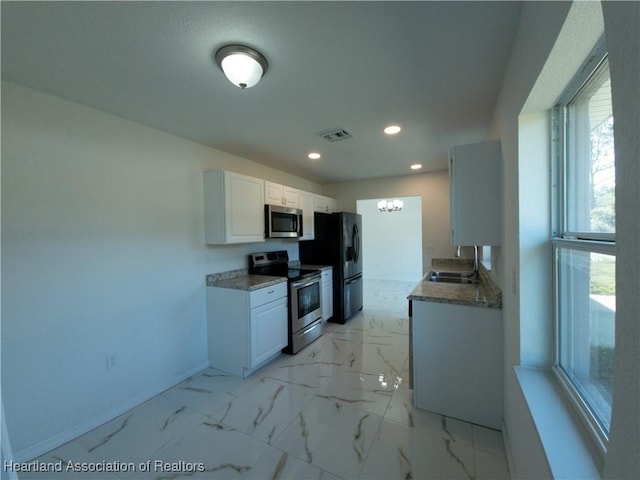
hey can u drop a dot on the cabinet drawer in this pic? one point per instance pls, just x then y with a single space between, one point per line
267 294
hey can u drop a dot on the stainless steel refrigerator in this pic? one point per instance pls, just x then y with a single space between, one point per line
338 242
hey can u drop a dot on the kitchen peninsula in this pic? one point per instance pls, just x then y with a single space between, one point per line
457 346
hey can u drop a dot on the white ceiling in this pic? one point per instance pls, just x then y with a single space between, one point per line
434 68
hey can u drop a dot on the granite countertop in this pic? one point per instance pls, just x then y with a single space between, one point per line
242 280
484 294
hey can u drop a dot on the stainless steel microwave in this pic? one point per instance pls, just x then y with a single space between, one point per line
282 222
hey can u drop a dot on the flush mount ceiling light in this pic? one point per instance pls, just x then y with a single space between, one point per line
243 66
392 129
314 156
416 166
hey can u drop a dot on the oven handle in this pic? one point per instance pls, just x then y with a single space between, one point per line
306 282
313 326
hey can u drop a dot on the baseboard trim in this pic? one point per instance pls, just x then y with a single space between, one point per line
72 433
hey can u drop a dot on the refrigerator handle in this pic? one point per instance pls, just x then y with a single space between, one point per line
356 243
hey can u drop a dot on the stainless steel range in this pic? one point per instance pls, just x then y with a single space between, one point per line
305 296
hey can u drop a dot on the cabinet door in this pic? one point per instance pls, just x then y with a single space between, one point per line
475 175
268 330
290 196
320 203
273 193
276 194
244 208
458 361
327 294
324 204
327 300
306 204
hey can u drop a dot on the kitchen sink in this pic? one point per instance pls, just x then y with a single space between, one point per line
467 278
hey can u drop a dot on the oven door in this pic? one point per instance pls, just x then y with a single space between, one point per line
282 222
306 302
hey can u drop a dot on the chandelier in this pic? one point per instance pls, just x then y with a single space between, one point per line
390 205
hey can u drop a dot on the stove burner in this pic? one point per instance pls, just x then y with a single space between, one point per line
276 264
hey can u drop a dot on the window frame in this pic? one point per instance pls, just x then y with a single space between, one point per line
563 238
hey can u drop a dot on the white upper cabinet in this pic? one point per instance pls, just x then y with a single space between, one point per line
305 200
276 194
233 208
324 204
475 175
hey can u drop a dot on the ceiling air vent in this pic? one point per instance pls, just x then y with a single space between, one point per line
335 134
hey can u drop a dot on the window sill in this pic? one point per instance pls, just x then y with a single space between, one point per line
564 439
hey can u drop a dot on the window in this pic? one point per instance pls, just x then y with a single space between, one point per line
584 243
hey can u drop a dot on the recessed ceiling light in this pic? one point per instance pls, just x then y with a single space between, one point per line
416 166
392 129
314 156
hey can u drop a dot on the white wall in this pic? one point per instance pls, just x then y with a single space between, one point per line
102 254
539 26
622 31
433 188
534 212
543 58
392 241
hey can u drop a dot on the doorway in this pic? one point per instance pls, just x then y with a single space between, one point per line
392 241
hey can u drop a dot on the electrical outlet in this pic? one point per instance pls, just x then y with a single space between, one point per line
112 362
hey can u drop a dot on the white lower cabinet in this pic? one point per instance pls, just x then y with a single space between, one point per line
327 294
245 329
268 332
457 361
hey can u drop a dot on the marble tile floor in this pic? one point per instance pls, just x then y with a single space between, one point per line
340 409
